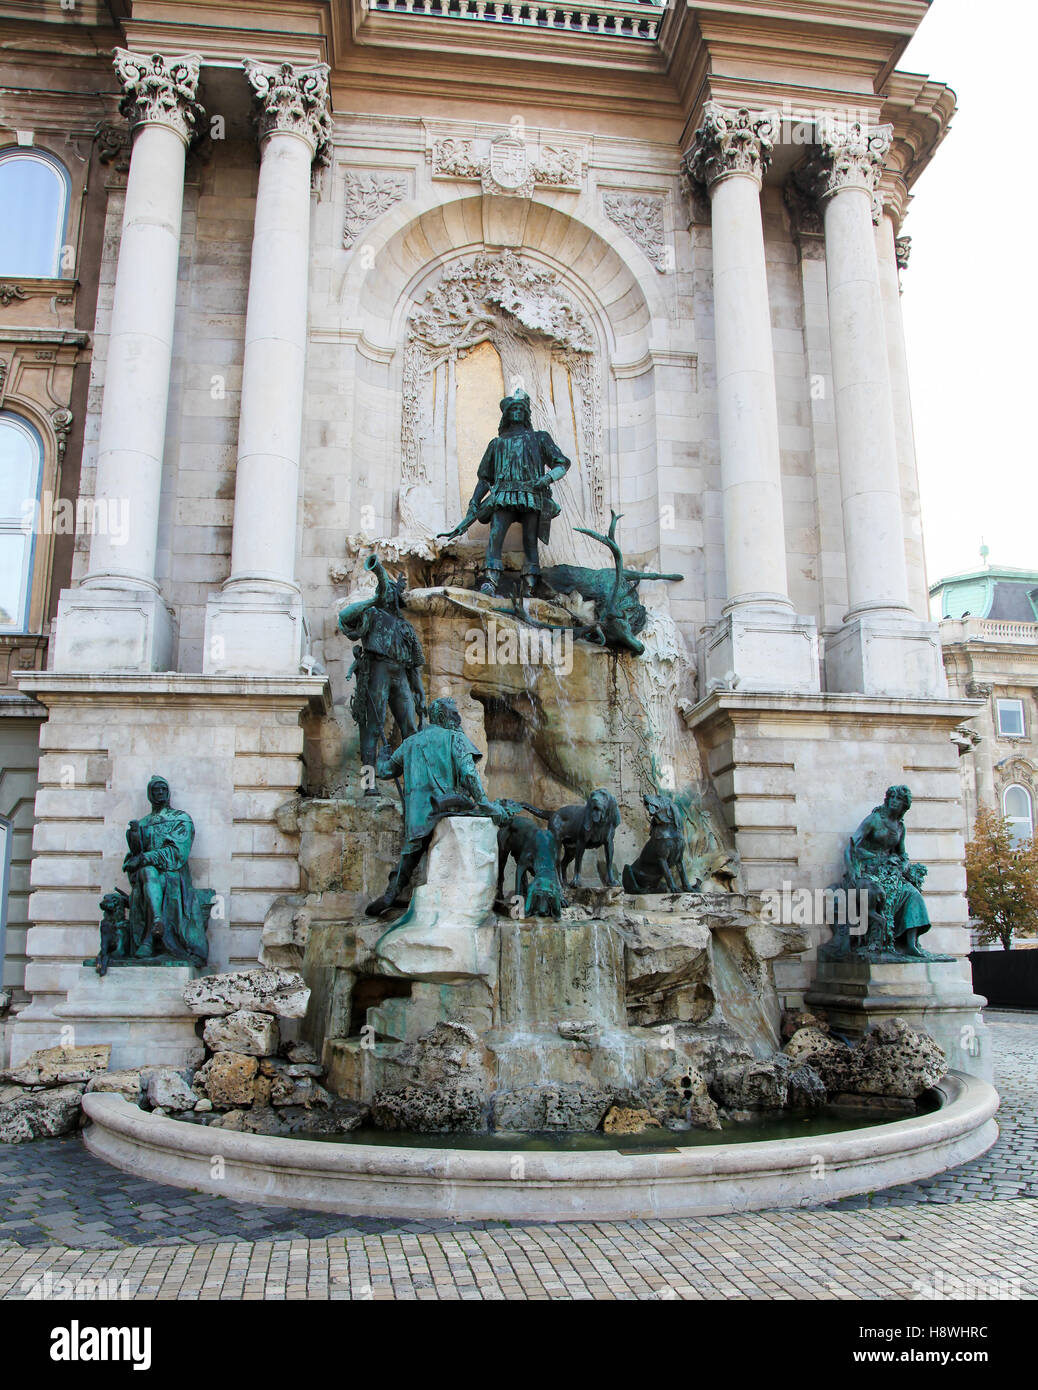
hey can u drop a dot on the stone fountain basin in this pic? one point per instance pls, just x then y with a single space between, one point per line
474 1185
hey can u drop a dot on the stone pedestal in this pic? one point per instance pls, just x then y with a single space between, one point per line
117 630
876 654
935 997
760 650
253 633
797 773
140 1010
232 752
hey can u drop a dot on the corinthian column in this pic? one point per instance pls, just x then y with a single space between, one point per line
881 649
120 623
256 623
730 156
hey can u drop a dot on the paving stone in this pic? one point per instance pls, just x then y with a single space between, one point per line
64 1211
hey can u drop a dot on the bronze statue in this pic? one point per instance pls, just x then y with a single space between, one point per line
167 916
438 764
662 856
387 665
536 853
589 825
875 862
514 486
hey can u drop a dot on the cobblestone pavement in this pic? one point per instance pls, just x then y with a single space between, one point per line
65 1215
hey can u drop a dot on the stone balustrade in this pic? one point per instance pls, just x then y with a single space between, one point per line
617 20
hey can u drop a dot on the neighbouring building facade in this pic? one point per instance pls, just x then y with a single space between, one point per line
989 635
302 251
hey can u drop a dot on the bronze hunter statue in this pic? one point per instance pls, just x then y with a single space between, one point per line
514 487
388 661
438 764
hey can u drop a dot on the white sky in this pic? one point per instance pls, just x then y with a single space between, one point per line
970 300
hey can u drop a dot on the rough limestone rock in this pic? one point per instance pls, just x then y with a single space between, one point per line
534 1109
460 1108
668 970
299 1052
60 1066
340 1117
621 1119
246 1030
9 1092
127 1082
267 990
829 1057
447 1090
286 1089
795 1019
168 1089
41 1114
577 1030
680 1099
286 930
773 1084
893 1059
228 1079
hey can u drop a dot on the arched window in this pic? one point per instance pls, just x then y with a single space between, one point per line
34 196
1018 810
21 459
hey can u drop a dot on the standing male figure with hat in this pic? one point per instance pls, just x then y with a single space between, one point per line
514 485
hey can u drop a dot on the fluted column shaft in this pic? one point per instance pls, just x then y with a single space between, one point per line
160 103
730 156
850 164
291 106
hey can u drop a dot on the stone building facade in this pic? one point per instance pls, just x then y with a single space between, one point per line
327 237
989 636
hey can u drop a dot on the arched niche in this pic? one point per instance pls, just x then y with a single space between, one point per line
444 318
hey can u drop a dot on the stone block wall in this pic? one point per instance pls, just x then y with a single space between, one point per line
797 774
232 751
19 757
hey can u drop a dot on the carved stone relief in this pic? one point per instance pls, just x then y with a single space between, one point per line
368 196
640 216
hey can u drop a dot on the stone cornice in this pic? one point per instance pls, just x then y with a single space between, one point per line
160 90
163 687
291 100
738 705
730 142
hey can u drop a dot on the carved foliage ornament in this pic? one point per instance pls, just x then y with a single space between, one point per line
160 90
465 308
731 142
368 196
850 155
641 217
902 250
292 100
113 144
506 165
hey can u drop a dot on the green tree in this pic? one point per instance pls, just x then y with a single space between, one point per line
1001 881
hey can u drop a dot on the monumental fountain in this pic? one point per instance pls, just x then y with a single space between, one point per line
522 977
